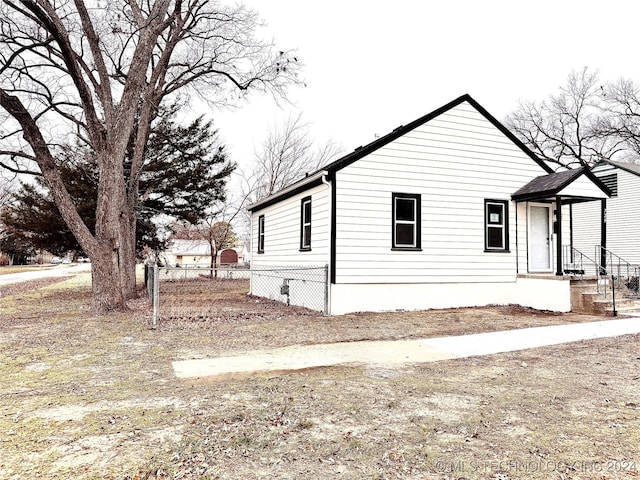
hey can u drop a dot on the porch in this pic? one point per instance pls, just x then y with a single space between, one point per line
589 294
544 218
600 281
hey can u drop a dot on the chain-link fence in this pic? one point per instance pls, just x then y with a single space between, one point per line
187 272
302 286
191 292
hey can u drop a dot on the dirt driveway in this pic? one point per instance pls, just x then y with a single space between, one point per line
96 397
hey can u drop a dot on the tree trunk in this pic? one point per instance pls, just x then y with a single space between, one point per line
111 235
107 291
128 256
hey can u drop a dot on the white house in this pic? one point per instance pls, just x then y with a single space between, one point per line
614 223
188 253
450 210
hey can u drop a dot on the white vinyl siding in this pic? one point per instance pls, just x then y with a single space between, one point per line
623 218
586 228
455 162
282 231
583 187
623 227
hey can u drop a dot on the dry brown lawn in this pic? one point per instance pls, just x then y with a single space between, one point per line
83 396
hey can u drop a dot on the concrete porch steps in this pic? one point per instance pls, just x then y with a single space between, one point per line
585 299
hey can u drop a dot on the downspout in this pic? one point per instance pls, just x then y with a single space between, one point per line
517 251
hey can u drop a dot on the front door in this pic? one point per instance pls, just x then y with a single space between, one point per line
540 238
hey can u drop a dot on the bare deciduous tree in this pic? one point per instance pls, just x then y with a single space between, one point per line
220 236
622 119
6 191
95 73
286 156
566 128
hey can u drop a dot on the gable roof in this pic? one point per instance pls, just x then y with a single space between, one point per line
553 184
363 151
189 247
626 166
315 179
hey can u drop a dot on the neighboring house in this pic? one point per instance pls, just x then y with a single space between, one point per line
188 253
613 223
450 210
197 253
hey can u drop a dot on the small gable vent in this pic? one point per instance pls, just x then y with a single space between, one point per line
611 182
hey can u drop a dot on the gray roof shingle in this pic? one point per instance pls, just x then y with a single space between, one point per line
548 185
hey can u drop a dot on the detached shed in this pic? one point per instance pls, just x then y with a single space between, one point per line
228 256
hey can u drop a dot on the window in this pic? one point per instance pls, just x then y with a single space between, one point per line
305 224
496 226
406 221
261 234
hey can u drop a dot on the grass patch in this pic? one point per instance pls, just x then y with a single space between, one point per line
91 397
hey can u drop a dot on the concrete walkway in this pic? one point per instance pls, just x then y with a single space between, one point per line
397 352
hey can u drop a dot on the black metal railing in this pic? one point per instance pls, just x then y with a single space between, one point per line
577 263
616 276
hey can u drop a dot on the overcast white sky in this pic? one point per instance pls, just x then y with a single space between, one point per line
372 65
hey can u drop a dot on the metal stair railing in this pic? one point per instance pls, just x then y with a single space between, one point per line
625 274
577 263
616 274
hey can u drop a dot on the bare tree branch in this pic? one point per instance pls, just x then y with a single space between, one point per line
565 128
622 105
96 74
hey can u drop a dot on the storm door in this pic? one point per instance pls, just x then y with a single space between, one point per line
540 239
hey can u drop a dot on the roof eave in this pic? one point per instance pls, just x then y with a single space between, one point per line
534 196
363 151
293 189
589 174
621 166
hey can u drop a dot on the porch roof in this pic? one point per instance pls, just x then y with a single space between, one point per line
576 185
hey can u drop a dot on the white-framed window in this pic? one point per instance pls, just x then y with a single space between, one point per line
305 224
406 232
261 234
496 225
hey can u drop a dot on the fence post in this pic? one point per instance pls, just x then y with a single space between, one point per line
147 284
156 295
